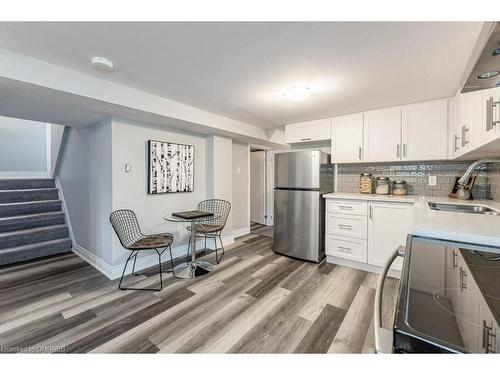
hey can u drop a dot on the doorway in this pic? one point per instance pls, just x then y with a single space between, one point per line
258 187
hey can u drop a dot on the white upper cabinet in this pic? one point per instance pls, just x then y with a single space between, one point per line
490 127
347 139
382 135
425 131
309 131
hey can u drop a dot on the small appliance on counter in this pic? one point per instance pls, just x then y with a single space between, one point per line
301 178
449 299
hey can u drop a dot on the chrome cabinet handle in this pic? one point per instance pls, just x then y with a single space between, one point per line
457 138
488 338
342 207
397 150
371 212
344 226
305 139
359 152
490 121
463 276
454 263
404 150
465 131
345 249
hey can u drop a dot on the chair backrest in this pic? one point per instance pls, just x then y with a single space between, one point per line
218 207
126 227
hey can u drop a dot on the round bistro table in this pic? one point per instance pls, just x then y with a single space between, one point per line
193 268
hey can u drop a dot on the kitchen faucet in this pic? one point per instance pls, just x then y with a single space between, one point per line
464 191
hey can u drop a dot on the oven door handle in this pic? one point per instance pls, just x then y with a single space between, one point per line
383 336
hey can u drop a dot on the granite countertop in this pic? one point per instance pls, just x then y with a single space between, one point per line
470 228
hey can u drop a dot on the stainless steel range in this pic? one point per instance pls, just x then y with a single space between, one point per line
449 300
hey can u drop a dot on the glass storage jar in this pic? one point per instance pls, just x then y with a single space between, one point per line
365 183
399 187
383 185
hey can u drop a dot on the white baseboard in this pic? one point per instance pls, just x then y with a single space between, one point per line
94 261
241 231
361 266
65 210
144 260
23 174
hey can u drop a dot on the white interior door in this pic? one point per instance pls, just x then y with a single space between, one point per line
258 187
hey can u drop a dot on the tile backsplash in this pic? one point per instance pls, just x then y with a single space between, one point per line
416 174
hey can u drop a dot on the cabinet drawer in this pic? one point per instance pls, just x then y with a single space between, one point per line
346 247
347 207
346 225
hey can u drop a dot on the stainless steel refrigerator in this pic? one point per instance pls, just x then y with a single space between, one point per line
300 180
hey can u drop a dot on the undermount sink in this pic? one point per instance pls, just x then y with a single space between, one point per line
468 208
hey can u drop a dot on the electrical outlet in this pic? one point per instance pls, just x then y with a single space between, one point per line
432 180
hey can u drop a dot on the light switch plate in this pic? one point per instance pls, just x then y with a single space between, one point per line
238 170
432 180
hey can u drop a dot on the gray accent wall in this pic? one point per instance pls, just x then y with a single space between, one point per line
85 175
130 188
241 186
416 174
23 147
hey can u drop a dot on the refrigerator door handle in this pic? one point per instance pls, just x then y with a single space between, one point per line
383 336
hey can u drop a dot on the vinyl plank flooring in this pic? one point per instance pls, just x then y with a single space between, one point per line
324 329
353 330
254 301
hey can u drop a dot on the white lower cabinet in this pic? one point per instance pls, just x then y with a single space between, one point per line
388 227
346 247
367 236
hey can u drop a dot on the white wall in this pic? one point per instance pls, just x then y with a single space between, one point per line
130 189
241 191
23 150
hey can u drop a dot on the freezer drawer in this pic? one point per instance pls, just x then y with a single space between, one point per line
299 224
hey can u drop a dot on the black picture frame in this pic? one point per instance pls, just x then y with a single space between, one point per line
152 189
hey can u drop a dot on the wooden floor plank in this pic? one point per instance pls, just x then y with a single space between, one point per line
254 301
319 338
353 330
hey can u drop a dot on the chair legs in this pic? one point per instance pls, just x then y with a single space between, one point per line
214 236
217 259
134 255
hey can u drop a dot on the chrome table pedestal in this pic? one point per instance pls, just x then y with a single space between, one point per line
193 268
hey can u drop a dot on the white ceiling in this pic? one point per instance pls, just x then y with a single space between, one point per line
238 69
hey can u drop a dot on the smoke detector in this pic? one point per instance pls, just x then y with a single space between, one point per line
101 63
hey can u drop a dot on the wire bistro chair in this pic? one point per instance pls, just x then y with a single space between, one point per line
126 227
212 228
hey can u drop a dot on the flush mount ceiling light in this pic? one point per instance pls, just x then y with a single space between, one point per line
101 63
297 93
488 75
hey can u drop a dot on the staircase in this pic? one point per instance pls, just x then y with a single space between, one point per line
32 223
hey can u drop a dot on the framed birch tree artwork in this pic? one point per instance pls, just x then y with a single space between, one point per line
171 167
